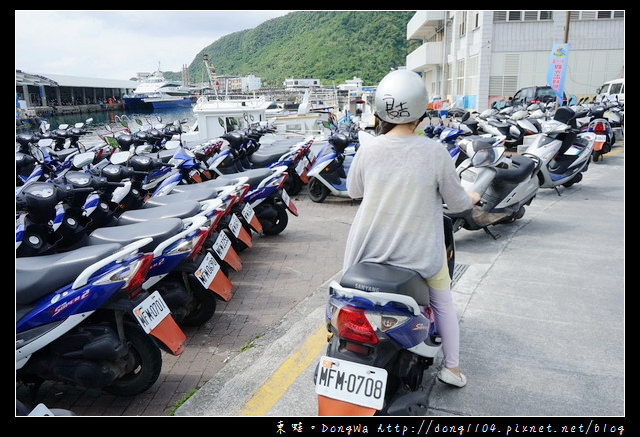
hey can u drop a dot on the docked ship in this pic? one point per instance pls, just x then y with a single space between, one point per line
156 92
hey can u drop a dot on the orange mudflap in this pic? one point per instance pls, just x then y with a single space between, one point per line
169 333
333 407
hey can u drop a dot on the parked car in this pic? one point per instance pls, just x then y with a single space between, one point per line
613 88
529 94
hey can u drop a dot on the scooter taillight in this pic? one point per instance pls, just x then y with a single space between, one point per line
353 325
199 241
599 128
245 189
284 178
134 284
133 274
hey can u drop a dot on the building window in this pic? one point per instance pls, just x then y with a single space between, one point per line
471 87
462 23
508 16
596 15
459 77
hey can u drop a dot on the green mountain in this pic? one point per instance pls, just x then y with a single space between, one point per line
329 45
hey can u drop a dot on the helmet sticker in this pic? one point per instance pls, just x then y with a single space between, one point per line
394 110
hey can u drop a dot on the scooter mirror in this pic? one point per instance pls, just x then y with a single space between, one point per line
36 152
82 159
172 144
119 158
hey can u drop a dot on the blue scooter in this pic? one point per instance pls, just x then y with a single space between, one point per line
382 338
83 319
328 175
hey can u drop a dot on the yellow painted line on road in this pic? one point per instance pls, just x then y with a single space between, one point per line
264 398
613 152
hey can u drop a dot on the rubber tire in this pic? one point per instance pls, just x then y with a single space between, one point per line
317 191
293 184
206 304
148 363
274 227
577 178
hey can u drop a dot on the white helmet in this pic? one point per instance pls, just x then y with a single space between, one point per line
401 97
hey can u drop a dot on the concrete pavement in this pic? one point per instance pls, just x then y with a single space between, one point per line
541 314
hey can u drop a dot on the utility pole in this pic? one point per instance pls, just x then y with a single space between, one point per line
566 27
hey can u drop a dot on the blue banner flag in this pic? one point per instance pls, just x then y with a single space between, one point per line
557 68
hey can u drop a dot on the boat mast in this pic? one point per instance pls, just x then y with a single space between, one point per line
210 71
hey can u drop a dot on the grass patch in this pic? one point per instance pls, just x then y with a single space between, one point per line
181 401
248 345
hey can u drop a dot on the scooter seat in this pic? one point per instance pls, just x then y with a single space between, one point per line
176 210
204 193
264 159
521 169
255 176
217 183
367 276
158 230
37 276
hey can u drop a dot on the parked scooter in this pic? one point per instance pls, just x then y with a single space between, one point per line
605 137
382 338
82 319
506 184
328 175
562 152
459 126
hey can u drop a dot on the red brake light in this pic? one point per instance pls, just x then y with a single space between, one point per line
135 282
599 128
284 178
201 237
353 325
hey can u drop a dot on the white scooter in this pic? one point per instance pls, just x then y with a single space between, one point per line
561 151
505 183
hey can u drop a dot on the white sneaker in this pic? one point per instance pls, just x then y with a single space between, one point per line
448 377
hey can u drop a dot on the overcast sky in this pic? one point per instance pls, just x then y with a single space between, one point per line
113 44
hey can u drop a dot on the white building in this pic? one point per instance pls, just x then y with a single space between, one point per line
251 82
301 82
473 58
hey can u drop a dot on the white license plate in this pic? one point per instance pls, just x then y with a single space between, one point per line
285 197
207 270
222 244
151 311
235 225
247 212
351 382
601 138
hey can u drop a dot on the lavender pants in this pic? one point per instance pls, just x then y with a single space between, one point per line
446 318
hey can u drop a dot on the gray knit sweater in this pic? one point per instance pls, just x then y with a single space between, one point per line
403 181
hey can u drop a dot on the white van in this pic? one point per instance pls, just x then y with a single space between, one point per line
611 88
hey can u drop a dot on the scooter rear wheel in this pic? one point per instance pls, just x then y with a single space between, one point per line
273 226
148 364
293 184
205 301
317 191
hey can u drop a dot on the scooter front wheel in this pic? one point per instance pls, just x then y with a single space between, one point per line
317 191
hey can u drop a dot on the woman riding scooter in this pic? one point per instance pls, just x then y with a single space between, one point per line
403 179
